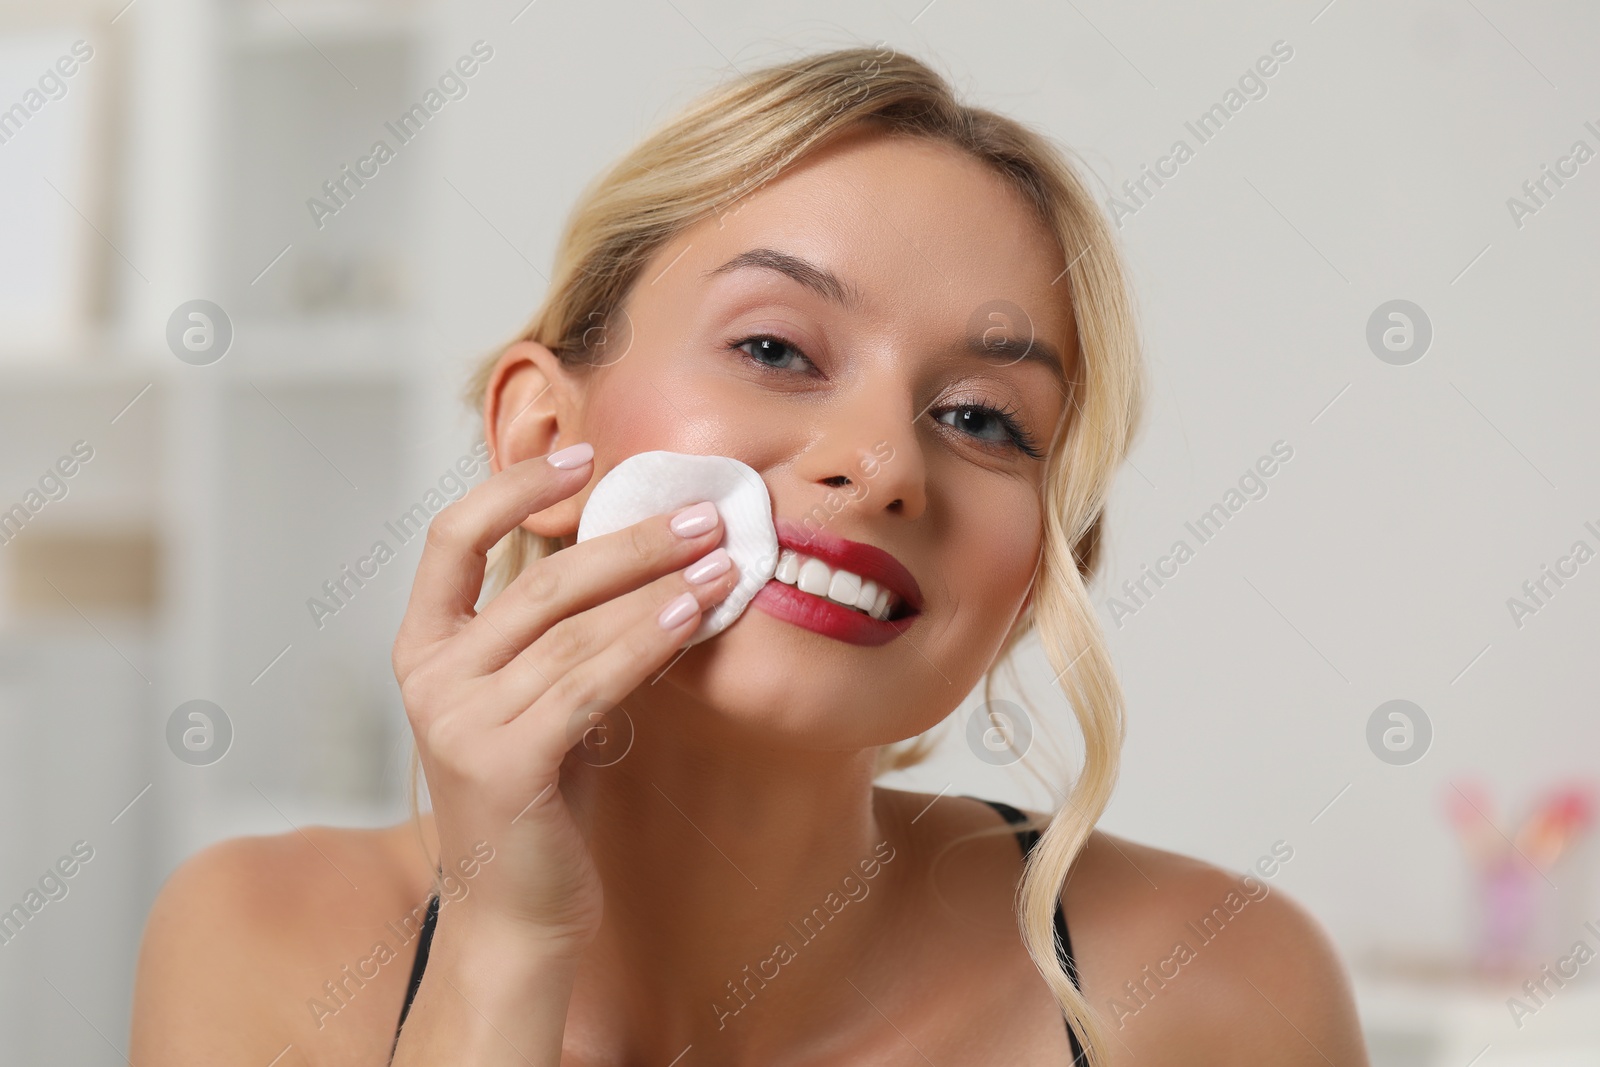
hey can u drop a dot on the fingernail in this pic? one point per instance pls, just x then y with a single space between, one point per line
677 611
572 456
713 564
695 519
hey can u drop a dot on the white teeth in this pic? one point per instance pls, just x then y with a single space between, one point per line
840 586
868 597
844 588
814 577
788 567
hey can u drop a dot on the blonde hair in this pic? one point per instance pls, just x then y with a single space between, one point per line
731 141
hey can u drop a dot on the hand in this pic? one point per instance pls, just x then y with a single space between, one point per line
497 698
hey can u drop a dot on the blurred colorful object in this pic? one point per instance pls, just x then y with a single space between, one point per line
1513 870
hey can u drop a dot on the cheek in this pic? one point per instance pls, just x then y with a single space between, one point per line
993 550
663 405
626 414
988 558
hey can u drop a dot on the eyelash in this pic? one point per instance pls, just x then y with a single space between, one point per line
1007 416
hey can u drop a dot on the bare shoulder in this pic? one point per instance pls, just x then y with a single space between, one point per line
1188 962
297 944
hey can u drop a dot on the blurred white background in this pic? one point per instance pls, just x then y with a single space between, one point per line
1377 163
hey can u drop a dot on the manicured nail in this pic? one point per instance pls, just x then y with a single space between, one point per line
695 519
572 456
677 611
713 564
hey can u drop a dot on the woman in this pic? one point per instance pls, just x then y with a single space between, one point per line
910 318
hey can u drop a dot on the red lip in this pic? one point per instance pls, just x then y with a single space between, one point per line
823 616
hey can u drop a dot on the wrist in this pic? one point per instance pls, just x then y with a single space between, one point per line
474 941
489 990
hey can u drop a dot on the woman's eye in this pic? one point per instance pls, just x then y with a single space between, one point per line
773 352
991 426
979 422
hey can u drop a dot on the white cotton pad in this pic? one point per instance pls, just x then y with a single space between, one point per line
653 483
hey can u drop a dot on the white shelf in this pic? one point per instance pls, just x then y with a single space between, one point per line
375 347
99 356
226 131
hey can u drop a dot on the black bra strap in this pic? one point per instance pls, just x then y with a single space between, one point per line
1027 838
424 942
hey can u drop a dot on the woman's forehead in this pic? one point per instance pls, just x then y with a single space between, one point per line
886 227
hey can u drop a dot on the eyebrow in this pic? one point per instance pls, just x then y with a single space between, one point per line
1010 350
819 280
828 285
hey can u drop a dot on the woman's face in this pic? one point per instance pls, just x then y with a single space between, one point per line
830 331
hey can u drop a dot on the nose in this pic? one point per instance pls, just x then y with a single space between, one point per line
868 453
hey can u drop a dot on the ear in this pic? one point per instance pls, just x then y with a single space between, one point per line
530 408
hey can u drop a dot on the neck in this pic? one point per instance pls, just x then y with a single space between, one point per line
741 880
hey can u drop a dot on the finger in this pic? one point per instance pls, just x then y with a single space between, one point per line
580 577
450 573
633 621
605 678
